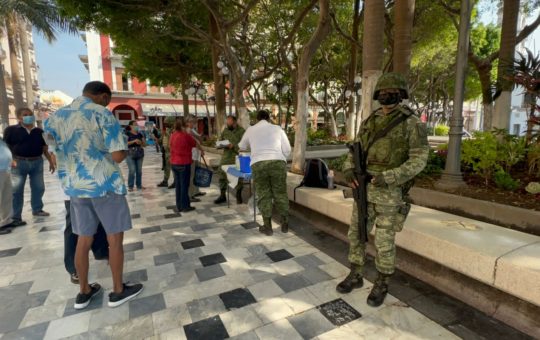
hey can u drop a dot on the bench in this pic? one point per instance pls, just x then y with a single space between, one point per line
506 259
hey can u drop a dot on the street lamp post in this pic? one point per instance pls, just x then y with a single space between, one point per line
279 87
196 88
224 70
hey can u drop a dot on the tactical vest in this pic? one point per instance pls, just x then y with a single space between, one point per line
390 151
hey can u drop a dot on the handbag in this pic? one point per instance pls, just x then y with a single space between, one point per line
136 152
203 175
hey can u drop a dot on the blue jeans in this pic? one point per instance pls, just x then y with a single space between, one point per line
182 173
135 171
34 170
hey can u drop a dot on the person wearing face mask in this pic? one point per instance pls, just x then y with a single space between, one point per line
397 149
28 147
136 144
233 133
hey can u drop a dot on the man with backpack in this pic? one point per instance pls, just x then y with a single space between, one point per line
270 148
394 149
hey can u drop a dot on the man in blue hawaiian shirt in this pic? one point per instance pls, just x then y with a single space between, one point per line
89 145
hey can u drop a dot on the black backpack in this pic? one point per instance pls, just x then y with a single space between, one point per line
315 175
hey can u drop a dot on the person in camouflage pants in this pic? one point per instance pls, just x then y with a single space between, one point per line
393 161
169 126
233 133
270 148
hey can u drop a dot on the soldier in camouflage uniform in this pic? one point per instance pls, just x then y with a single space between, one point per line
393 161
165 138
233 133
270 148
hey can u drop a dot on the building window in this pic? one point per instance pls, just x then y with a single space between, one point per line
517 129
122 83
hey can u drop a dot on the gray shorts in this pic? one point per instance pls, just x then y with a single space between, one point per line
111 210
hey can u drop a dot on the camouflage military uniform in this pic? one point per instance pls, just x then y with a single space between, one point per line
229 155
270 178
398 157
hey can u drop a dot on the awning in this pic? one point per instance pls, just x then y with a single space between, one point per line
164 110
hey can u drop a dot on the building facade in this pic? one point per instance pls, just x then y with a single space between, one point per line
133 99
5 59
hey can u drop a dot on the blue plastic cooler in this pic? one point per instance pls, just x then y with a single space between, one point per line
245 163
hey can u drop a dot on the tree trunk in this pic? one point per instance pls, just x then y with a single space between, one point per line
404 13
25 51
239 100
501 116
484 72
185 97
333 125
351 115
372 54
11 28
219 84
323 29
4 104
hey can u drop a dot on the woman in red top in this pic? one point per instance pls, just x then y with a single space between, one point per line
181 144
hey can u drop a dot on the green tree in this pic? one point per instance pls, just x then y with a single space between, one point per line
44 16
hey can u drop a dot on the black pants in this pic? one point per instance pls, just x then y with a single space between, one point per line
100 246
182 174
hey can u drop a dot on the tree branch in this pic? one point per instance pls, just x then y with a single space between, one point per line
230 24
342 33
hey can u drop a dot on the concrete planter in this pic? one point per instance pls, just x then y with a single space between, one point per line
525 220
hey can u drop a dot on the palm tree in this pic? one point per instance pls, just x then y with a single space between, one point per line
44 16
373 50
501 117
404 13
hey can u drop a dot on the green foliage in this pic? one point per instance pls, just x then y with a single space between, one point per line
481 153
533 159
435 164
337 164
441 130
503 180
512 150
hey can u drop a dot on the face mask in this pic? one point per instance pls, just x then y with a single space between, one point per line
230 127
136 128
28 120
389 98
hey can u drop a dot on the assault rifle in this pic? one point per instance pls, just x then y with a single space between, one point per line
360 192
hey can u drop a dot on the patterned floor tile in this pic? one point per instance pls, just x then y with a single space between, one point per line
308 261
166 258
149 230
134 246
192 244
211 328
212 259
9 252
310 323
279 255
146 305
136 276
209 273
31 332
46 229
291 282
204 308
237 298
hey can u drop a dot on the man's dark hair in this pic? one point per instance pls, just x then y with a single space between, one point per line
19 112
233 118
263 115
97 87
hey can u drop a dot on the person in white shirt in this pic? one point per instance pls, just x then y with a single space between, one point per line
194 191
270 148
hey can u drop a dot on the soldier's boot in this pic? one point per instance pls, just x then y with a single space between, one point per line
172 186
266 228
284 224
379 290
238 196
163 184
352 281
222 198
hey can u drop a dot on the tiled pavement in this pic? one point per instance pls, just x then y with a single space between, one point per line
208 274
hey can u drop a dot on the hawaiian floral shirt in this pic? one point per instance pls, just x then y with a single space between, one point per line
83 135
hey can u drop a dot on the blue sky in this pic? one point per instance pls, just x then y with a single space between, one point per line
59 64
